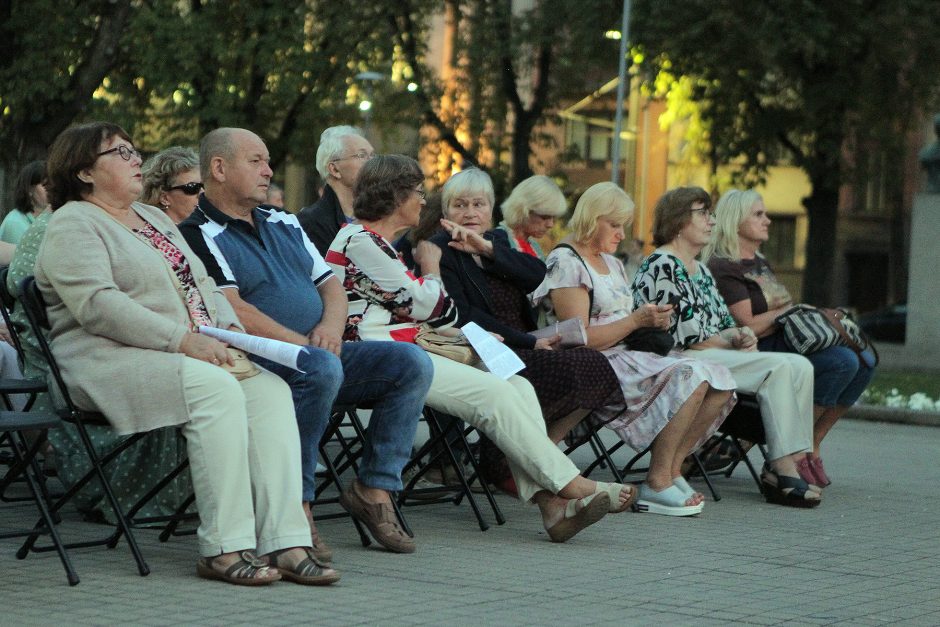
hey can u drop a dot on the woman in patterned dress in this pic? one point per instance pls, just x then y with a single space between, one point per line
673 402
387 302
704 328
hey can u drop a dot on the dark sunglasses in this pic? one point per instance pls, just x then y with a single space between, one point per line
190 189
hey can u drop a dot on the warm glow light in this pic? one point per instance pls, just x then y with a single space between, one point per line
612 34
365 105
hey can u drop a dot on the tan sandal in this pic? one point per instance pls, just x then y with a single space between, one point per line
309 571
594 507
248 570
613 491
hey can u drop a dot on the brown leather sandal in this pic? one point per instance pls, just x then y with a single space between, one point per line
248 570
309 571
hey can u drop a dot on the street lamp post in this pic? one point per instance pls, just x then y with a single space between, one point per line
618 119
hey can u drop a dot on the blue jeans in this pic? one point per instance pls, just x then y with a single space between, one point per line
840 377
394 377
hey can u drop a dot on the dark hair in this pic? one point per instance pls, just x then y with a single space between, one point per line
384 183
429 222
74 150
672 212
32 174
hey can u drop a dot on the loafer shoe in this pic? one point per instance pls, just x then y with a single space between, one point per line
379 519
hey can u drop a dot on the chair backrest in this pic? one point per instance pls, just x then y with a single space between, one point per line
34 306
7 304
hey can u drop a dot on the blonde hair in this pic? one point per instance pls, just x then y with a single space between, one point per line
465 183
731 210
601 200
538 194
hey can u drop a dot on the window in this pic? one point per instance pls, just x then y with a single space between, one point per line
780 249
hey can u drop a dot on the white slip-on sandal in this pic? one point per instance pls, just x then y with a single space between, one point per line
668 502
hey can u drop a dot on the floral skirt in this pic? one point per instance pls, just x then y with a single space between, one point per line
654 388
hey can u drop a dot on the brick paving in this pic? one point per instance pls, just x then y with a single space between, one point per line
870 555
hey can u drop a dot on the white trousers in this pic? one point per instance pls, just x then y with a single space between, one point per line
783 384
244 455
508 412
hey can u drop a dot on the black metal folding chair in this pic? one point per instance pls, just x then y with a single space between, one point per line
14 425
448 444
743 423
8 387
35 310
346 432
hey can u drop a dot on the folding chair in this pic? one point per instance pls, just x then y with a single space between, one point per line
743 423
446 435
35 310
30 387
14 424
350 450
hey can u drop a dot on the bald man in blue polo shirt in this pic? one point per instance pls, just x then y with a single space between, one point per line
281 288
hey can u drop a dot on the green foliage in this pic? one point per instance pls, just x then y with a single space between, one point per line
182 67
802 80
796 77
511 69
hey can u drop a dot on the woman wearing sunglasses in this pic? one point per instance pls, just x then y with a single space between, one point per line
172 182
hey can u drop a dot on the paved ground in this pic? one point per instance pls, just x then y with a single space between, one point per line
869 555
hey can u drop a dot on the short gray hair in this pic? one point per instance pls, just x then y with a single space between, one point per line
160 169
465 182
537 194
331 147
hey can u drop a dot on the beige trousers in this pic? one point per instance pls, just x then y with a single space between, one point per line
244 455
783 384
508 412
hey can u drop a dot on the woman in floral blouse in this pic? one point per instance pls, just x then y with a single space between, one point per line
783 383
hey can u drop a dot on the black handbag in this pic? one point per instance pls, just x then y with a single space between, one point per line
650 340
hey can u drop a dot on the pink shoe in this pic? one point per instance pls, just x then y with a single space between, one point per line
819 472
805 469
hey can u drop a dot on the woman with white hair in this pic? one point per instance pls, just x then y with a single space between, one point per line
673 402
755 298
530 212
489 282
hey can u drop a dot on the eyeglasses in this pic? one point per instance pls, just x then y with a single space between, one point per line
362 155
421 194
190 189
705 211
125 152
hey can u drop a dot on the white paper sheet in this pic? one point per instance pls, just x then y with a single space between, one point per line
496 356
279 352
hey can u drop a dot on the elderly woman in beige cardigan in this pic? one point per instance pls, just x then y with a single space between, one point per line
124 293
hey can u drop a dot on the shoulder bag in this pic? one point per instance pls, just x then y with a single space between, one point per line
807 329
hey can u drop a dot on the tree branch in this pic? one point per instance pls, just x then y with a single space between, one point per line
403 27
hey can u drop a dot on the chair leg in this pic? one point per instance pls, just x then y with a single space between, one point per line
40 497
123 526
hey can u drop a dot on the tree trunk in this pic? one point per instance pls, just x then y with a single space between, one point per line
521 138
822 207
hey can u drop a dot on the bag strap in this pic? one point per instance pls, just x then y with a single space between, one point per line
590 289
